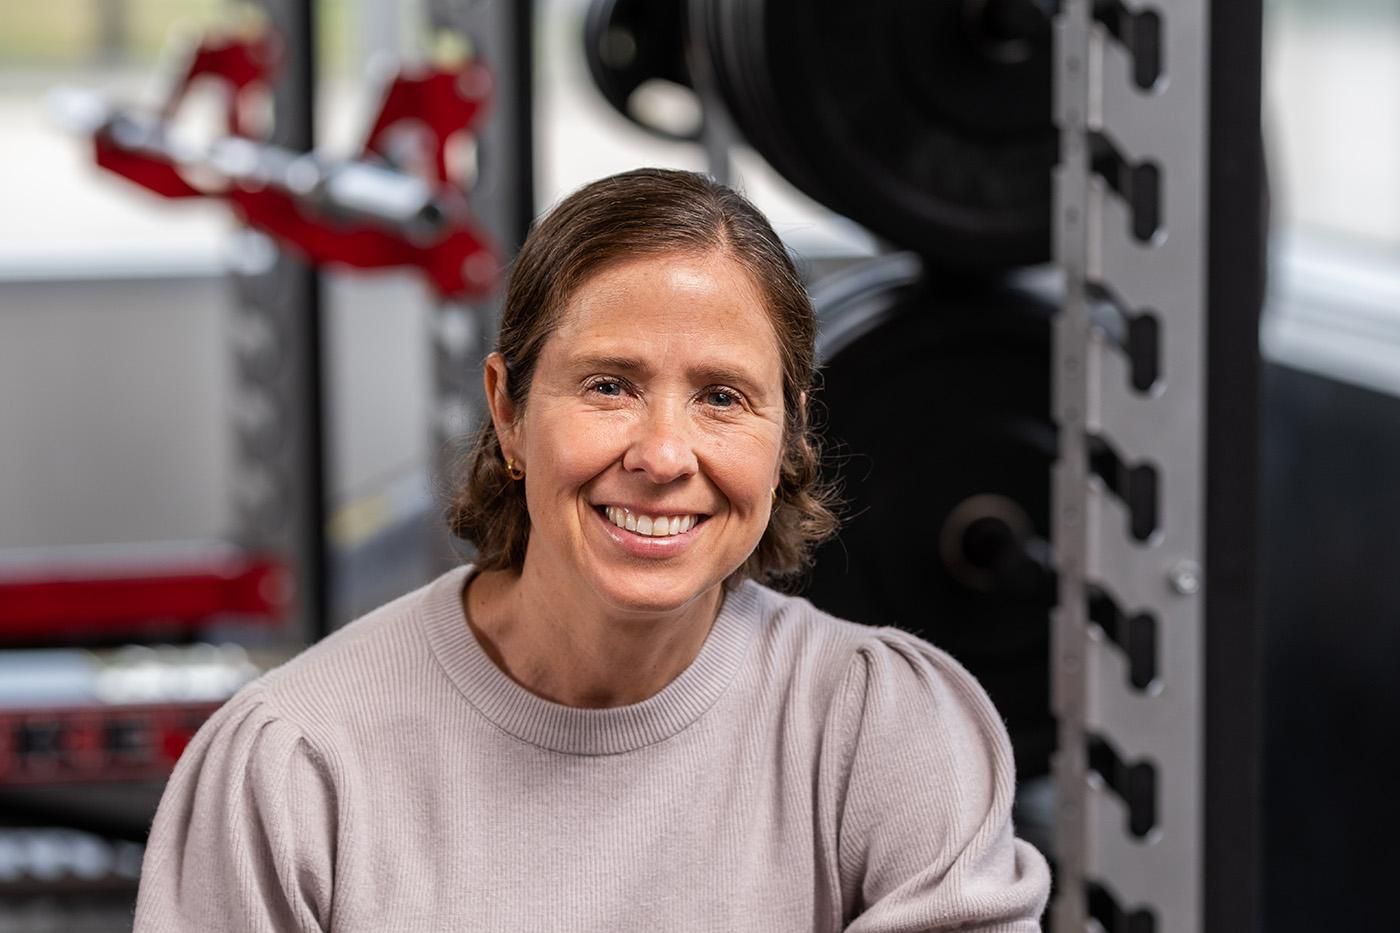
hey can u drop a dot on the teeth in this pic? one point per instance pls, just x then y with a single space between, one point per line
653 526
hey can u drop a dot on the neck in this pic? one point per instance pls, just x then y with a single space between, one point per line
580 654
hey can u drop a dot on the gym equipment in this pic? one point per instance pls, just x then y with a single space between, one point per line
169 592
112 715
935 400
87 737
927 122
629 44
1158 202
117 743
400 203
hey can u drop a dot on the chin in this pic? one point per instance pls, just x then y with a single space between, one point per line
639 592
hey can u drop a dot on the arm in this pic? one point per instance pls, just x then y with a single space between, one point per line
925 839
244 838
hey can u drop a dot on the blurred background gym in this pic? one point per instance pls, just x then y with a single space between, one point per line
212 452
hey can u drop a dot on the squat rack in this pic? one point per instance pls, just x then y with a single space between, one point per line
1158 227
281 491
275 567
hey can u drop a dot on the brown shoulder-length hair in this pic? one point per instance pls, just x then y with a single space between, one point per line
640 213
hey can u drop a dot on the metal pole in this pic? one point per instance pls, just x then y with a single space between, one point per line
502 199
280 496
1238 237
1134 494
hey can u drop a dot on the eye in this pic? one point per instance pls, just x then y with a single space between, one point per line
720 397
607 386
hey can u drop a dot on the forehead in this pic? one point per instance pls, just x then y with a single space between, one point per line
687 304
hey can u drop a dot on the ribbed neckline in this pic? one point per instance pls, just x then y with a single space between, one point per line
572 730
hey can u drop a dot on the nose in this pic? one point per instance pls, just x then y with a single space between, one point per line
661 446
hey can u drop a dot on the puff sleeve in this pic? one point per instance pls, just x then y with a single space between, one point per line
244 838
925 840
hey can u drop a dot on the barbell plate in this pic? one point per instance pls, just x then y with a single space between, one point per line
927 121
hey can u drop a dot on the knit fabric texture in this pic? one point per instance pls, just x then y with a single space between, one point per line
803 773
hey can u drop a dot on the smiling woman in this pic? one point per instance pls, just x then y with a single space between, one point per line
607 722
657 236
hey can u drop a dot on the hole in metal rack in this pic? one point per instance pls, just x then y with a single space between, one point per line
1135 783
1141 34
1104 908
1136 333
1139 184
1135 634
1136 485
1143 343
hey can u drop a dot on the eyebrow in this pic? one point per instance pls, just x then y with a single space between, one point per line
622 364
635 367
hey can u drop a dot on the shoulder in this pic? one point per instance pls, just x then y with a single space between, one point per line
873 678
248 741
894 666
369 667
863 657
250 797
792 626
919 775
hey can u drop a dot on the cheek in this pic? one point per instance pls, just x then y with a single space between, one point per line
745 468
572 450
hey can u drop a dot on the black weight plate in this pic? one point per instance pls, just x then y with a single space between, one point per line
628 43
915 118
730 32
948 400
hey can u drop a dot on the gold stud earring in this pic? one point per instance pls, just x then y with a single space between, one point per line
515 472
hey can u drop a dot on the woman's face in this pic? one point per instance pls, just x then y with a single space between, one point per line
652 434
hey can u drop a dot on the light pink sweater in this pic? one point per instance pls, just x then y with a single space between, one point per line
803 774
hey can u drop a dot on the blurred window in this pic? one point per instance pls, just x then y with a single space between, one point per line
1331 99
1332 116
63 217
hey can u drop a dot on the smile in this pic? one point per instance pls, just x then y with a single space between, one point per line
652 526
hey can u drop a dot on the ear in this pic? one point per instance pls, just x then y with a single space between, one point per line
495 380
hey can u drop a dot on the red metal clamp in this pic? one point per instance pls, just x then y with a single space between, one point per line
396 205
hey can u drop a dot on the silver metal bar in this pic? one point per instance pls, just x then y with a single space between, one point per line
344 188
1070 483
1163 429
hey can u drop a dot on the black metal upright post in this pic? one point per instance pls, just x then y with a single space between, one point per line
1233 644
298 116
502 199
523 124
280 484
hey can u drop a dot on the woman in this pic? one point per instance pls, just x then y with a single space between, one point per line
606 723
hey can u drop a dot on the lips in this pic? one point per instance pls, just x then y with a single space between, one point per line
654 544
651 525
